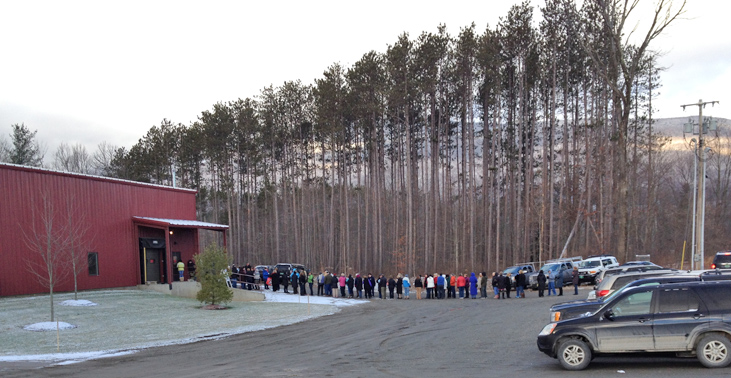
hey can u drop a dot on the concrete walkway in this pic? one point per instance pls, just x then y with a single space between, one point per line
189 289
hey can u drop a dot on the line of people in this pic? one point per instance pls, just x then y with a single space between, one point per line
427 286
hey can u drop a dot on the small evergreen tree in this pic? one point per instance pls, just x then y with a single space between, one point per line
26 150
211 271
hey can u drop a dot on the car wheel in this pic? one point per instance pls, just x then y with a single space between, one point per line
574 354
714 351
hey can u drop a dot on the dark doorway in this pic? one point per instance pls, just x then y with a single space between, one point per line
152 260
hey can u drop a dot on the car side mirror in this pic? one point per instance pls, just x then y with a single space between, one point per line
609 314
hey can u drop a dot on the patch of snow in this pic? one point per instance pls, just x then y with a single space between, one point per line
67 358
296 298
48 326
78 303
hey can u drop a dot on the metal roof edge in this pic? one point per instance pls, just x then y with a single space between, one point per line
26 168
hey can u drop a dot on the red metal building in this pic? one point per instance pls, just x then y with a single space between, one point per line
135 232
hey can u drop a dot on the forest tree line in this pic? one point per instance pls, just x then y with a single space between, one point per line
522 142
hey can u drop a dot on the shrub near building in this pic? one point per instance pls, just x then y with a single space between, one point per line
212 267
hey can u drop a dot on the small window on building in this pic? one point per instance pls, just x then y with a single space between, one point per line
93 259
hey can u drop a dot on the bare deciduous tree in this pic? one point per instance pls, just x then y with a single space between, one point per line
47 241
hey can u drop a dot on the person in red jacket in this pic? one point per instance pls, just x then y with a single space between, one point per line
460 285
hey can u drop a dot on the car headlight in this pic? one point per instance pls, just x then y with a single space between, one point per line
593 272
548 329
555 316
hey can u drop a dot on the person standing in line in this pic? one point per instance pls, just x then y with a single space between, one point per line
371 285
559 282
418 285
382 283
399 286
359 286
496 285
334 283
508 284
439 286
349 283
303 283
501 285
460 286
541 282
320 284
520 285
407 285
181 270
275 280
265 277
391 286
285 282
483 285
551 282
234 277
575 279
429 287
294 279
328 283
341 283
473 285
310 280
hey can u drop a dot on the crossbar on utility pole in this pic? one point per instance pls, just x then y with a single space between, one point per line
700 187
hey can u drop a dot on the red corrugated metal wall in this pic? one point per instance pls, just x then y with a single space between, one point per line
107 205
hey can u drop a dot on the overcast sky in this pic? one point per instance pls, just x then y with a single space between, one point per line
93 71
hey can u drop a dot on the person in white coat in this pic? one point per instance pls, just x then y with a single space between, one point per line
429 287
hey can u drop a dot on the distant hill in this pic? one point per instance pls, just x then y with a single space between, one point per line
673 127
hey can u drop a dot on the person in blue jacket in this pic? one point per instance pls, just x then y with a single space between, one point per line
473 286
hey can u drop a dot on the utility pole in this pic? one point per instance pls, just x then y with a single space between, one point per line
697 259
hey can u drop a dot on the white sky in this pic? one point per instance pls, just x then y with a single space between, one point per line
93 71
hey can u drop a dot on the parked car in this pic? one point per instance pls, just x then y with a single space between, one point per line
286 268
515 269
722 260
626 268
616 281
573 309
593 265
564 267
648 263
689 318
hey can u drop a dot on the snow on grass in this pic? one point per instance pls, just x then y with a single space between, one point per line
48 326
296 298
124 321
78 303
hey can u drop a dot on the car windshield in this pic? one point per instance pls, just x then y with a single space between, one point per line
589 264
512 270
549 267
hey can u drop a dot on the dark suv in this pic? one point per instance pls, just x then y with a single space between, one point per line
575 309
722 260
689 318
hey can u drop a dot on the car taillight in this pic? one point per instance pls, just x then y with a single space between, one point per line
713 266
601 293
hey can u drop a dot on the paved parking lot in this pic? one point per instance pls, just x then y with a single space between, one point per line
383 338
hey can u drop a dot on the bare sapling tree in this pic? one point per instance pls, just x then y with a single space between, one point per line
47 241
78 236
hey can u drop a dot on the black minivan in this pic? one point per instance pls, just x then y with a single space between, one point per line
689 318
